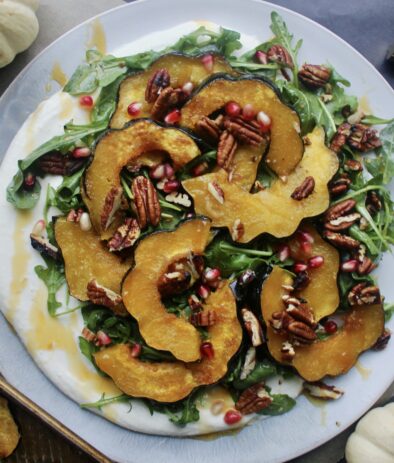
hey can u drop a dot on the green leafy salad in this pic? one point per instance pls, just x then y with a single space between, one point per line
218 221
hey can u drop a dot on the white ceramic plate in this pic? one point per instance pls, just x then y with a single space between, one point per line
277 439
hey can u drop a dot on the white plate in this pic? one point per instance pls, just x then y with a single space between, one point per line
276 439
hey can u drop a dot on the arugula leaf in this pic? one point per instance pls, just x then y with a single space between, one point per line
188 412
261 371
99 404
106 102
339 101
27 199
281 403
383 163
284 38
232 259
388 311
53 277
336 78
374 120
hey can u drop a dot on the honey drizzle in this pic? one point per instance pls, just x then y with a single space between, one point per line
58 75
97 39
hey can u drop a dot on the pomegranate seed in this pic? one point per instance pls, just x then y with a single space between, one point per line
134 108
157 172
315 261
200 169
211 274
171 186
207 61
207 351
103 339
29 180
306 247
283 252
86 101
330 327
81 152
74 216
188 88
248 112
203 291
136 350
173 117
349 265
300 267
232 417
232 109
305 237
264 120
169 171
246 277
261 57
39 228
194 303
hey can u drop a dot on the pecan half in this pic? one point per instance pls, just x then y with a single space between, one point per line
56 163
180 276
74 215
373 202
210 129
340 137
287 351
112 203
159 81
167 100
363 294
226 150
248 132
253 399
302 313
340 185
300 332
341 241
365 266
314 75
382 340
125 236
342 223
206 318
339 210
146 202
304 190
353 165
253 327
323 391
100 295
363 138
280 55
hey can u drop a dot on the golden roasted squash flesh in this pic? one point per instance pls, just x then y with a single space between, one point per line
87 258
116 148
322 292
286 146
170 382
272 210
337 354
182 69
160 329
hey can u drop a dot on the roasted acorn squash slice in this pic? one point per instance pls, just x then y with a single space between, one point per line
87 258
322 292
286 146
116 148
338 353
182 69
170 382
272 210
160 329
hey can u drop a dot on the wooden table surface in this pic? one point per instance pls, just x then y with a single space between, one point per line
39 443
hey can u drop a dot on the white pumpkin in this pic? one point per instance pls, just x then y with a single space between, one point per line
373 439
18 27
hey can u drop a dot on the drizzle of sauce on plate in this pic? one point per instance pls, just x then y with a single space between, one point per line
322 405
97 39
364 372
58 75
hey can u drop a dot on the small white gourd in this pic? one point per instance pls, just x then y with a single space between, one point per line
373 439
18 27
